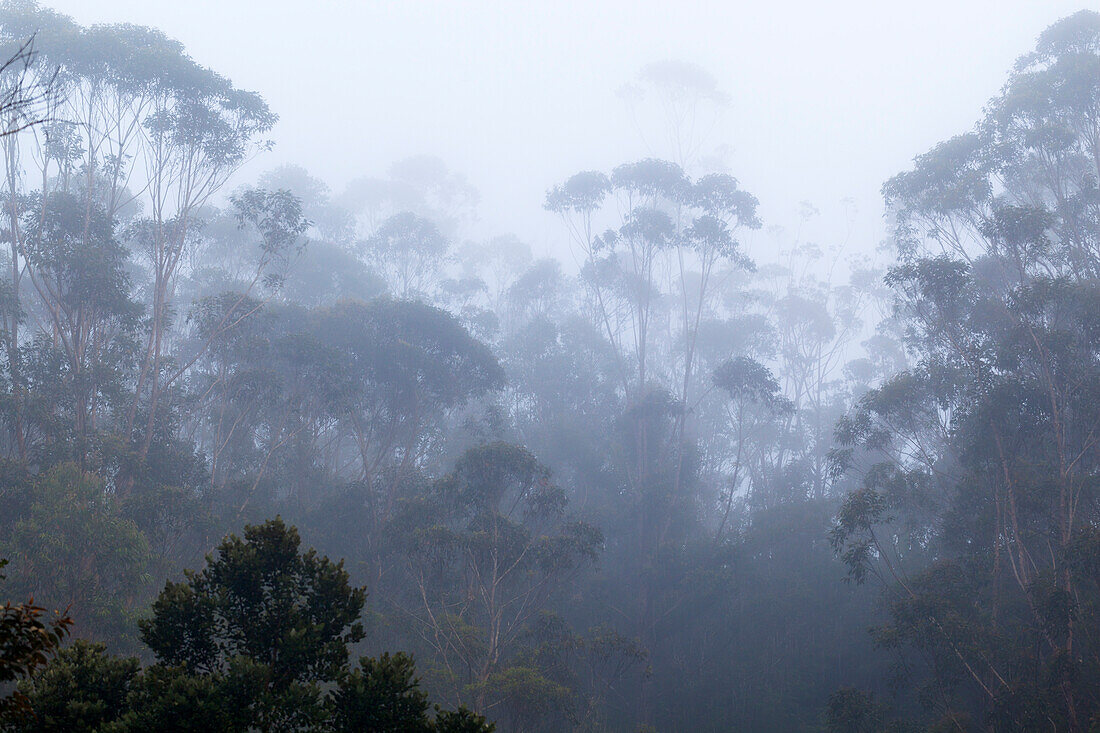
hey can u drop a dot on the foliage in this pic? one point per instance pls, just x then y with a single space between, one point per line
82 689
259 598
486 552
980 454
74 546
244 645
28 638
624 495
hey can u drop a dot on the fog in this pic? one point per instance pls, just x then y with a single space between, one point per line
535 367
826 100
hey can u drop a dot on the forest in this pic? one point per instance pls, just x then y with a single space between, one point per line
280 456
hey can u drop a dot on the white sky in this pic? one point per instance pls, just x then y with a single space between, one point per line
828 98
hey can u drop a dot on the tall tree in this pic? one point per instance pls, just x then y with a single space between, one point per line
979 502
486 552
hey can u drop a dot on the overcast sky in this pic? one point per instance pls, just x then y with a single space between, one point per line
828 99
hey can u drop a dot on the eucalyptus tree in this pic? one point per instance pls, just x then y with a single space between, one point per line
686 103
295 403
755 409
651 282
271 389
659 263
410 252
420 184
88 318
25 93
818 324
487 550
329 222
661 257
139 126
75 545
980 509
412 364
498 262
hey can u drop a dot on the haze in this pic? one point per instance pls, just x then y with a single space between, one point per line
827 99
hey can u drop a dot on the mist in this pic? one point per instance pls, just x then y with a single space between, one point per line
517 97
542 367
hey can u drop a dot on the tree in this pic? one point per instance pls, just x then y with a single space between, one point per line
25 95
263 611
978 491
260 597
381 694
412 365
685 102
78 270
245 644
421 184
410 252
851 711
82 689
486 551
755 403
235 701
28 639
74 545
137 120
667 269
374 381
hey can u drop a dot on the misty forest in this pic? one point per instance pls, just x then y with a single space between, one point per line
282 454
